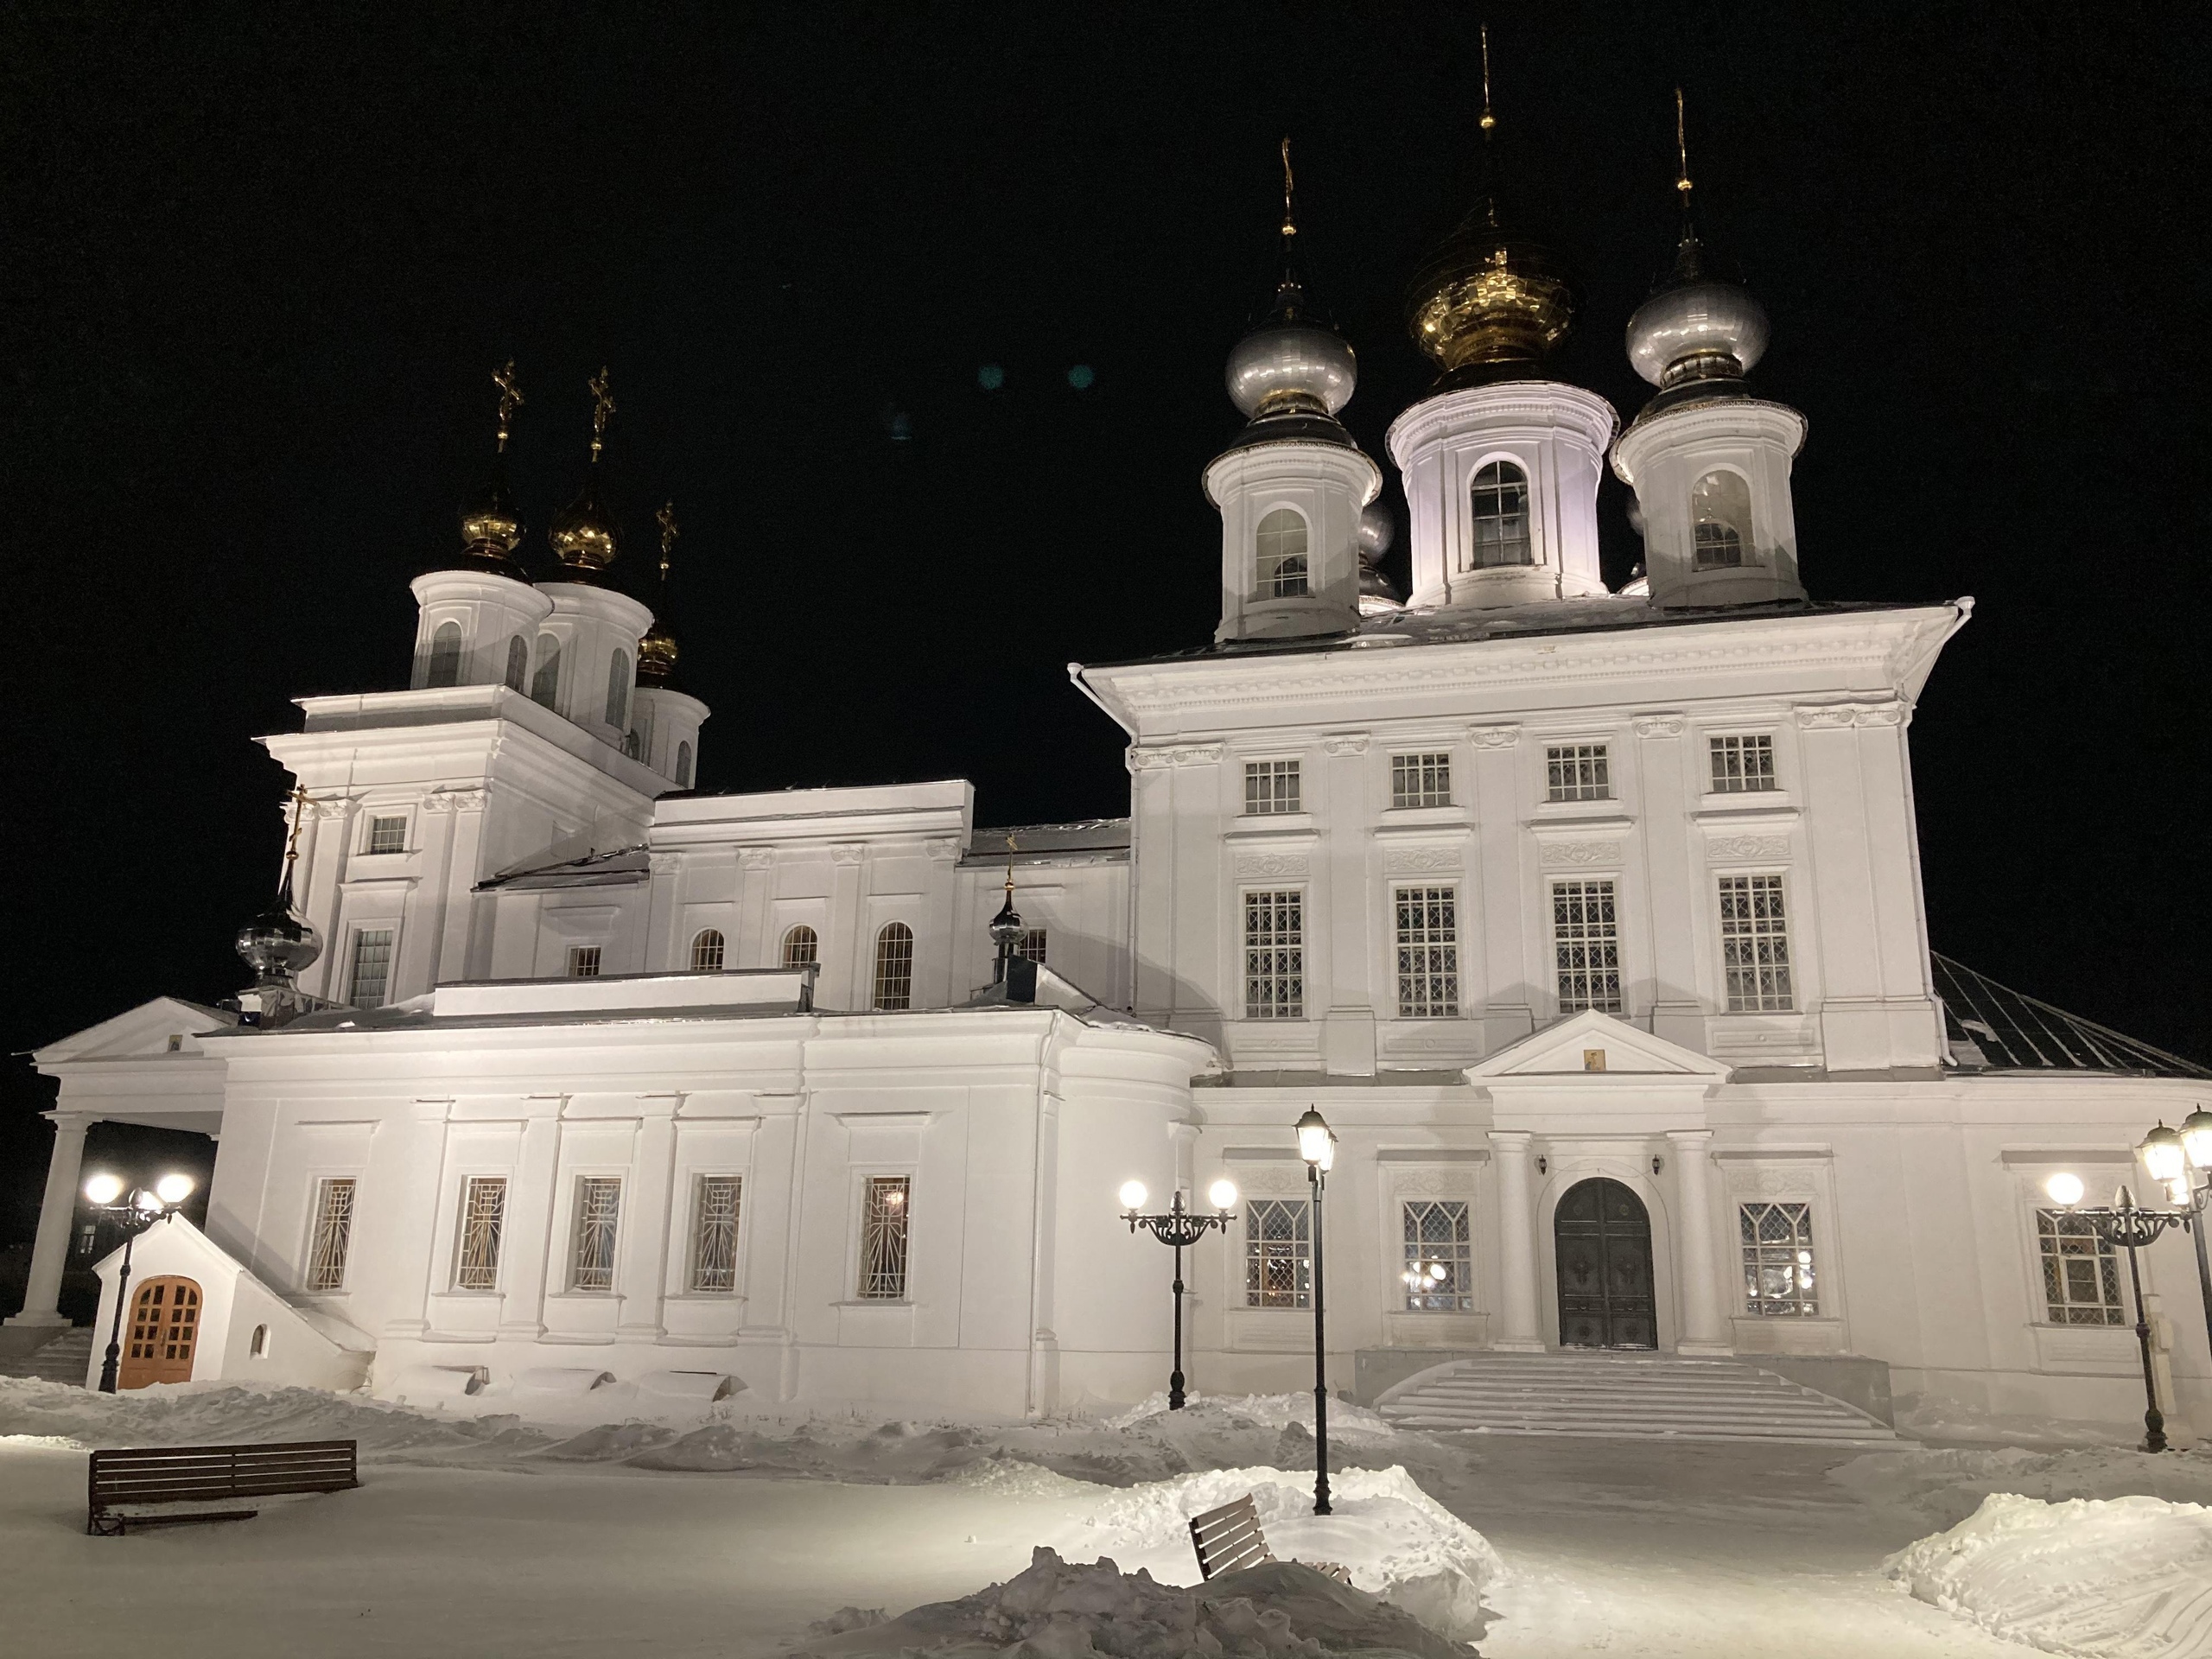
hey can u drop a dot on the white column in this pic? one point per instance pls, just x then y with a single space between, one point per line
1516 1256
57 1209
651 1201
1703 1330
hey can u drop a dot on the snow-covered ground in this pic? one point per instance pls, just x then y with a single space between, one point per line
732 1531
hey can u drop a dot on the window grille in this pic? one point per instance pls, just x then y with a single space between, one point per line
1282 551
1270 787
545 684
801 948
1578 771
1778 1242
371 967
334 1234
683 766
1720 508
1031 946
388 834
483 1216
1717 546
445 656
518 662
599 1210
1274 956
1278 1252
2081 1274
883 1239
1437 1235
707 952
1742 765
617 689
1586 945
584 961
1420 780
1428 953
894 967
1499 496
714 1235
1754 944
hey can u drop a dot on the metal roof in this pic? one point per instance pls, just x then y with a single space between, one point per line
1993 1027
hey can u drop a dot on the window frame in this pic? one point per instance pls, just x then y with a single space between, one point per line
1499 514
618 681
710 951
1420 779
2113 1303
372 823
695 1264
1741 777
1459 1298
812 958
355 936
891 1283
1783 968
447 656
1265 796
1436 974
1285 996
1735 531
1297 1250
326 1264
594 1235
1601 934
1807 1275
465 1215
1578 771
546 673
1273 578
586 961
890 966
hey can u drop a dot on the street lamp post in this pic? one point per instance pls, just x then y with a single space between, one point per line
1317 1145
134 1214
2131 1227
1179 1228
2177 1158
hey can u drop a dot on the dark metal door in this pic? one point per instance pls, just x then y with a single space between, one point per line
1604 1237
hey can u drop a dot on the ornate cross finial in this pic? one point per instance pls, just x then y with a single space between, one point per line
1289 185
1490 121
670 530
1682 153
510 399
1010 851
602 406
292 842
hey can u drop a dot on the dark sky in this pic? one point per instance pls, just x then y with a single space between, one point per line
259 265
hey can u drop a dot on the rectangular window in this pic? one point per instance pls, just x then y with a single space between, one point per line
1031 946
1586 945
599 1213
483 1216
1440 1256
334 1234
388 834
1742 765
1420 780
1754 944
714 1235
584 961
1577 771
1278 1252
88 1238
371 967
2081 1274
1428 953
1274 956
883 1239
1777 1243
1270 786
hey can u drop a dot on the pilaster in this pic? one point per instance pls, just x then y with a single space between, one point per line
1518 1332
1697 1268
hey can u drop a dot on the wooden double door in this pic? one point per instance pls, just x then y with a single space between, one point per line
1606 1298
161 1333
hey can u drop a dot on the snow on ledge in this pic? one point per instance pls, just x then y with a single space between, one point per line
784 987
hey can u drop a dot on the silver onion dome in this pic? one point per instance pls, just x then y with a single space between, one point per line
1291 364
1377 597
278 944
1377 530
1696 328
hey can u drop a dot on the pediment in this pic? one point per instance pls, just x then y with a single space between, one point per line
142 1033
1592 1048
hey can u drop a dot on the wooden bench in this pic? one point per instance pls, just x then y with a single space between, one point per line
1229 1539
201 1474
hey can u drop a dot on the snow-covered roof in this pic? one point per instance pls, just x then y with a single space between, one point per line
618 867
1095 839
1993 1027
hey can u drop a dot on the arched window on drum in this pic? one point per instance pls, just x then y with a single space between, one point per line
1721 516
1498 528
445 656
1281 549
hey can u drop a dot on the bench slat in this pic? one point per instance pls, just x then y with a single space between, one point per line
138 1474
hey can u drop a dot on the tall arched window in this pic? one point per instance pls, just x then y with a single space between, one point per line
445 655
545 684
518 662
617 689
1720 514
707 952
1281 549
683 766
801 948
894 966
1499 496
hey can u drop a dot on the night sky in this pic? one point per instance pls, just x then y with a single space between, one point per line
259 266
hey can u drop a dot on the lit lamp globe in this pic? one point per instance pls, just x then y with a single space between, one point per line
2162 1156
2065 1189
1133 1196
1316 1144
174 1188
2197 1138
104 1189
1222 1195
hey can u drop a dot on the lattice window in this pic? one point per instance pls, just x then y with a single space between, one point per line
1420 780
599 1214
334 1234
1720 508
1499 500
372 974
1577 771
1777 1245
1278 1252
1755 944
1586 945
1031 945
1270 787
584 961
1274 956
1742 765
483 1218
1281 545
2081 1273
387 835
885 1222
801 948
707 951
1428 953
714 1235
1439 1257
894 966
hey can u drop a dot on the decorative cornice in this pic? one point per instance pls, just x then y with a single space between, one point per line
1658 725
1346 743
1829 717
756 858
456 800
1493 737
847 852
1155 757
943 850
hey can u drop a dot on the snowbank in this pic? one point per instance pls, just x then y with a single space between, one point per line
1263 1410
212 1413
1056 1610
1943 1487
2124 1576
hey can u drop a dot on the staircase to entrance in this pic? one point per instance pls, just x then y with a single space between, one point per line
1625 1397
65 1359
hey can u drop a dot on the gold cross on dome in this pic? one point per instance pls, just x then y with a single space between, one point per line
510 398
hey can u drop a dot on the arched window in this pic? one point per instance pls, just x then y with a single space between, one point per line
1721 513
518 662
1499 496
683 766
801 948
445 655
545 684
894 966
1281 549
707 952
617 689
258 1345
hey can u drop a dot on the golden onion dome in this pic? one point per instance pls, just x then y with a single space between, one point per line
657 655
490 529
583 534
1487 305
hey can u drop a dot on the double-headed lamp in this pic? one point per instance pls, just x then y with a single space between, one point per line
2162 1156
103 1188
2196 1137
1222 1195
1133 1195
174 1188
1316 1145
2065 1188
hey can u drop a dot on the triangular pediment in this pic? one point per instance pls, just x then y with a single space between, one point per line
142 1033
1591 1047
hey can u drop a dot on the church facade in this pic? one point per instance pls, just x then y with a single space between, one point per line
1591 920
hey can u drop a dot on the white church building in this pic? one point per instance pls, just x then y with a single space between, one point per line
1591 920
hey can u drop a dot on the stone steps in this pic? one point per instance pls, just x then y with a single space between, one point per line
65 1359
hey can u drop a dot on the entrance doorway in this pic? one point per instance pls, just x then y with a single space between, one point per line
1604 1237
163 1330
